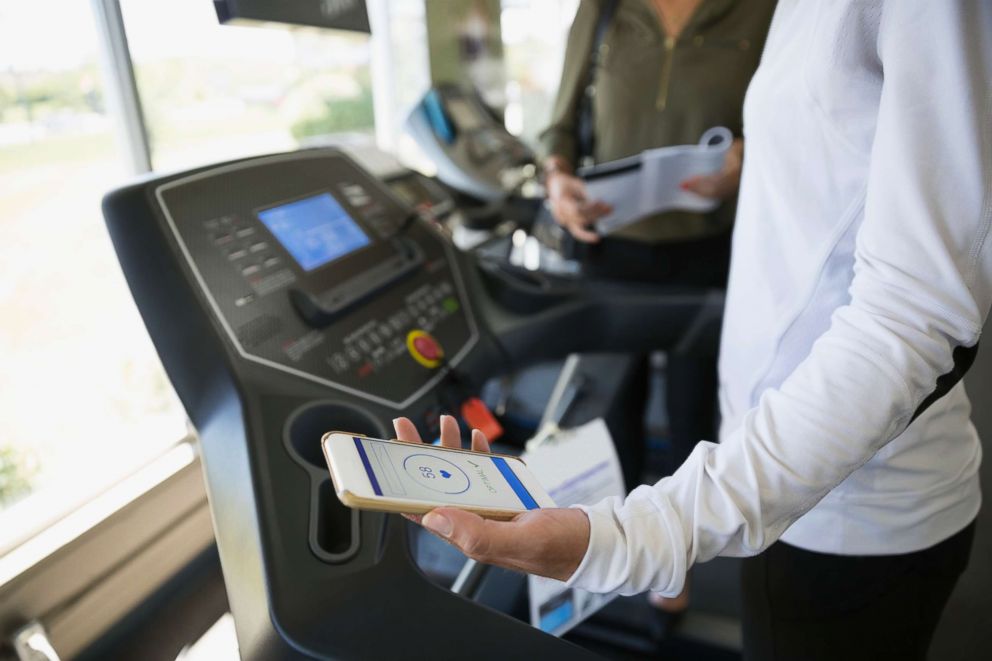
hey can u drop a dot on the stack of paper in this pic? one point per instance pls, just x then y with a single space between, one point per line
649 183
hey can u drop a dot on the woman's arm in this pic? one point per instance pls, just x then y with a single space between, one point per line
560 139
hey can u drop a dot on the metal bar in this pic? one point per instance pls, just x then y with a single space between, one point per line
383 79
470 578
564 393
123 99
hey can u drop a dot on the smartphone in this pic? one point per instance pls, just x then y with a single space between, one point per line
413 478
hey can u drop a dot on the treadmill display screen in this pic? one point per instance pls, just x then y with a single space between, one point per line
315 230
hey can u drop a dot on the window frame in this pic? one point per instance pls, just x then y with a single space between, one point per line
79 584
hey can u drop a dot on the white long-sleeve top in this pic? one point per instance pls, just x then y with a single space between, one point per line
861 262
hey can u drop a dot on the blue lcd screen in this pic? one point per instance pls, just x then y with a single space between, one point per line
315 230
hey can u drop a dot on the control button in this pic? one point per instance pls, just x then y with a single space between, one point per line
385 331
244 232
237 253
364 345
258 247
251 269
271 261
244 300
223 238
339 362
451 304
356 194
353 354
424 348
365 370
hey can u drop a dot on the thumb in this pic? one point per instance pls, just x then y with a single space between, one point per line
476 537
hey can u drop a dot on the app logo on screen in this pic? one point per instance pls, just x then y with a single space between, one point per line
436 474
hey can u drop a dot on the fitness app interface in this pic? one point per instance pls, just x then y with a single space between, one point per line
422 472
315 230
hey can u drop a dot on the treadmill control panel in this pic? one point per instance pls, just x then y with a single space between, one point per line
314 268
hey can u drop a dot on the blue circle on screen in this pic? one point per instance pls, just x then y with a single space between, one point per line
436 474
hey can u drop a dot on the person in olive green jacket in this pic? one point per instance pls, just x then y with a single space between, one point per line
665 72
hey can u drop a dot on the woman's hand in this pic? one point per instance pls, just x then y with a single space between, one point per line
724 183
548 542
571 206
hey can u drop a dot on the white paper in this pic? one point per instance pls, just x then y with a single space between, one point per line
652 186
577 466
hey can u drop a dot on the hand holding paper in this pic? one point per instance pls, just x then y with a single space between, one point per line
572 207
651 182
724 183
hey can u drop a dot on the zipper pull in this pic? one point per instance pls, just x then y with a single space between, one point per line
666 74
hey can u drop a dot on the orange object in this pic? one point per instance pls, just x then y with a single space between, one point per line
478 416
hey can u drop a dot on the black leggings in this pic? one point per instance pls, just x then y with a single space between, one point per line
804 605
691 375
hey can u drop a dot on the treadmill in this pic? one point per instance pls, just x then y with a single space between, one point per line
281 293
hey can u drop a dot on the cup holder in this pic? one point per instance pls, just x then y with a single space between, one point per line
334 529
308 425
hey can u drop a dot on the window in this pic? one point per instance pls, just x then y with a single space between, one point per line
534 35
212 92
402 76
83 399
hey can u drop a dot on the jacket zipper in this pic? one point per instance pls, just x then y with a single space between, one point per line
666 74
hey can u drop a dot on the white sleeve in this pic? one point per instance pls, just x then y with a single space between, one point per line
922 288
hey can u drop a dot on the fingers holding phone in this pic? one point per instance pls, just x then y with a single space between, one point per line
451 436
548 542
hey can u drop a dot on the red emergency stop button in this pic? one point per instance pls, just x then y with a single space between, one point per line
424 348
427 348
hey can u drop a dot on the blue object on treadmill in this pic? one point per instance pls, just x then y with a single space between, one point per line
434 107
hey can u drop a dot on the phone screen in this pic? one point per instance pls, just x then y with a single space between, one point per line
423 472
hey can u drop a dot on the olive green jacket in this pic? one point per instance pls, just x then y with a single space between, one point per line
651 90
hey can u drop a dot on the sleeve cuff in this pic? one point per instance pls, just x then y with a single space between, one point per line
633 547
555 142
605 542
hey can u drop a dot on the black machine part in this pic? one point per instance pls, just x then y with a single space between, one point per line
306 577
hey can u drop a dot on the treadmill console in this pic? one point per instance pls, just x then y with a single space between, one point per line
314 268
472 150
422 193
